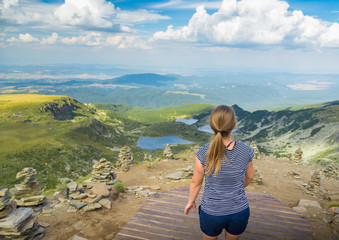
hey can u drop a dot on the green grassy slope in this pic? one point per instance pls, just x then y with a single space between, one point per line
60 137
306 106
150 116
54 134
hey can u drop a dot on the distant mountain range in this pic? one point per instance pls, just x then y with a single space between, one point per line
150 90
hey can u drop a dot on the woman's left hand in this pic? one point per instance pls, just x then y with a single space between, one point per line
189 206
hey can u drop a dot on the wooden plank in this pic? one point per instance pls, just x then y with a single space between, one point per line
161 217
175 226
142 234
122 236
165 220
163 231
170 215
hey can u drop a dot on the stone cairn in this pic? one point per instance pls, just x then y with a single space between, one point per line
17 223
167 154
147 158
28 192
258 178
297 156
125 158
103 171
313 187
92 194
332 171
256 150
194 149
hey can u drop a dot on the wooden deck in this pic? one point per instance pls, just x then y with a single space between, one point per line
161 218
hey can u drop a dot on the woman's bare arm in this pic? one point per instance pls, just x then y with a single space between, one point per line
249 175
196 182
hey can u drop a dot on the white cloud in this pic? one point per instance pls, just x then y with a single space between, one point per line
27 38
86 13
312 85
91 39
51 39
139 16
180 4
258 22
120 41
125 42
23 38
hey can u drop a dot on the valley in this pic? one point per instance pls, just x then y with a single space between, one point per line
61 137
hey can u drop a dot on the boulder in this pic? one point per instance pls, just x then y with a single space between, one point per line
105 203
77 204
175 176
308 203
72 186
100 188
15 218
92 207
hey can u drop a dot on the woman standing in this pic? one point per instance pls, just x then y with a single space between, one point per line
227 167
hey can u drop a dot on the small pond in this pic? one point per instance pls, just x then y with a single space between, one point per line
189 121
153 143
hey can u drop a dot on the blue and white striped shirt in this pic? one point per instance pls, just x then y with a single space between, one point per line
224 193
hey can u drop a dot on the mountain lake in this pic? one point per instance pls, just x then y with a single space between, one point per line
189 121
153 143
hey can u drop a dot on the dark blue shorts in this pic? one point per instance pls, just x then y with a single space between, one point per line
233 223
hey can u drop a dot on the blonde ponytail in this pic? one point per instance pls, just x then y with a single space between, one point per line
222 122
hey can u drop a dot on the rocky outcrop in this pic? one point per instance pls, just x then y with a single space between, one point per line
63 109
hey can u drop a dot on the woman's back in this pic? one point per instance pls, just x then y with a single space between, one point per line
224 192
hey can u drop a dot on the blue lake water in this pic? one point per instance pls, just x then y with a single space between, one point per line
189 121
207 128
153 143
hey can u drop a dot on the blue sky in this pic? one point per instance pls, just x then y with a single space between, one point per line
175 36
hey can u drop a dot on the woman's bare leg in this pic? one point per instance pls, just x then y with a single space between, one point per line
205 237
229 236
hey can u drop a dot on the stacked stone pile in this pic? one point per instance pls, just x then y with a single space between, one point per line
92 194
167 154
258 178
16 223
7 205
103 171
147 158
256 150
295 175
298 155
28 192
194 149
332 171
88 196
313 187
125 158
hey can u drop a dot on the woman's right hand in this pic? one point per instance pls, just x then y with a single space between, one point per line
189 206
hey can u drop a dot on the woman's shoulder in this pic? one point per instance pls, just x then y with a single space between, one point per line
203 151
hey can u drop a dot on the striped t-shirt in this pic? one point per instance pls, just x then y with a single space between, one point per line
224 193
